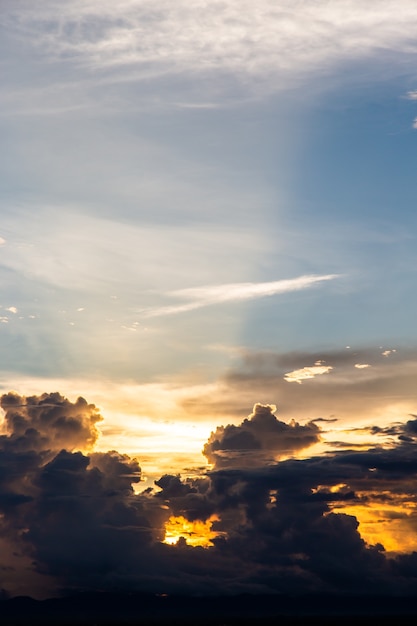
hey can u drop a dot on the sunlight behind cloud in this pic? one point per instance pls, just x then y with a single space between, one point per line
195 533
388 523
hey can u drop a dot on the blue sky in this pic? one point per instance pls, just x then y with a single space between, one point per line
189 187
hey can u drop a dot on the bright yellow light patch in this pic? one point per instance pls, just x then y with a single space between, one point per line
388 524
197 533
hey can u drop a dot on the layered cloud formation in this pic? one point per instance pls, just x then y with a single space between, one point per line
265 39
72 519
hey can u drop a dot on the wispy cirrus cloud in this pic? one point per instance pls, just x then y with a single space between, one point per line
155 39
200 297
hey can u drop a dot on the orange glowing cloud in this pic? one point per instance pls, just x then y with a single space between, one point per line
195 533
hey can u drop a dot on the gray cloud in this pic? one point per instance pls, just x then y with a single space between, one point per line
50 421
382 392
258 437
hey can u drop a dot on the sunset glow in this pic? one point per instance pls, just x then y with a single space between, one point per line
391 525
195 533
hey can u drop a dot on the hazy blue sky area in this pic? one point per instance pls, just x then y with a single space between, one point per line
153 149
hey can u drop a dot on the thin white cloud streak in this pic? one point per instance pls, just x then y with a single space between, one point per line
217 294
306 373
156 38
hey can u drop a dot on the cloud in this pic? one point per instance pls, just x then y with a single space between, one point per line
257 438
283 503
384 391
50 422
234 292
152 40
65 511
388 352
307 373
76 523
107 48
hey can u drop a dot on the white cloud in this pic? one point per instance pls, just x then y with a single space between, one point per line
361 366
297 376
216 294
156 38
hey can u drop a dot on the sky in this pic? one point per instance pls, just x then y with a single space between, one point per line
208 234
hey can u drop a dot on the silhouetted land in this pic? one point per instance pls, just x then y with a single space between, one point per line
96 609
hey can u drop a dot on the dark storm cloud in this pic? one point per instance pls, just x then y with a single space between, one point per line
74 521
283 524
261 433
85 521
190 497
66 511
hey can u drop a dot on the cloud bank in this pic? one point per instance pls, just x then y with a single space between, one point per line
73 520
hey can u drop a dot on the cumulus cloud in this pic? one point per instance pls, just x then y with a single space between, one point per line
84 522
73 515
291 512
257 437
75 521
50 421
